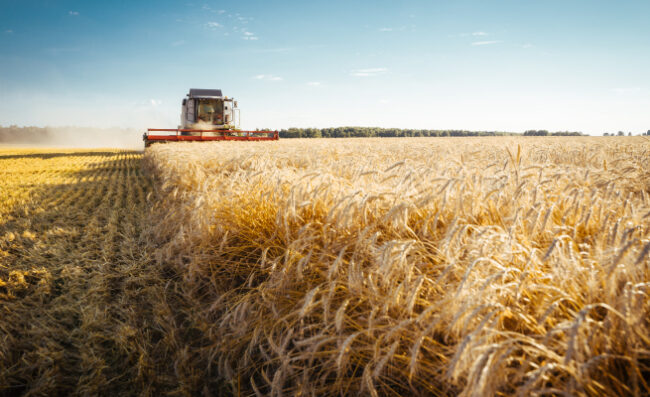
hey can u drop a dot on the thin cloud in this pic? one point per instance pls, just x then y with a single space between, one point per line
177 43
9 31
248 35
368 72
238 24
527 45
314 84
213 25
397 29
73 13
478 33
212 10
267 77
488 42
242 19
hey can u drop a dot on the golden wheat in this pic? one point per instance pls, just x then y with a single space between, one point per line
414 266
473 266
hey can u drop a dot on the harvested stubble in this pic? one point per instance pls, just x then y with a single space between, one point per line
79 294
412 266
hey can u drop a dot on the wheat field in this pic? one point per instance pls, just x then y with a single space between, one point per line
407 266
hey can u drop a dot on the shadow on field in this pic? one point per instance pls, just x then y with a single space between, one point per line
83 307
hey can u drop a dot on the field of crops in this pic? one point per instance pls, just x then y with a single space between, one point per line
460 266
71 227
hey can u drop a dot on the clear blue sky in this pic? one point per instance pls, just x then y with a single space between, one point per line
474 64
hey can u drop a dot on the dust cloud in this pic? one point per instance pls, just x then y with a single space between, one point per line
71 137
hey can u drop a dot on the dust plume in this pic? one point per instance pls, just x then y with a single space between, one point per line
71 137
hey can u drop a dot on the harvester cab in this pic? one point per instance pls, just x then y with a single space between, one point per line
207 110
207 115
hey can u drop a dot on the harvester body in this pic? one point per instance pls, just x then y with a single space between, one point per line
207 115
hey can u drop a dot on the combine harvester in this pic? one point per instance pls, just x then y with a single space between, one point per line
206 115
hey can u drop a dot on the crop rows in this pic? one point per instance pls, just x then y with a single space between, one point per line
474 266
71 240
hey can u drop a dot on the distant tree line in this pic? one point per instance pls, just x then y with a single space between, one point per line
546 133
622 133
352 132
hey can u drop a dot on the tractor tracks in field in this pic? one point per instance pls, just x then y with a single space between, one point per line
77 289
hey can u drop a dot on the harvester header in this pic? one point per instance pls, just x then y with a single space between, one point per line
207 115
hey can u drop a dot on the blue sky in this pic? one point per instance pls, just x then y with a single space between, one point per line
480 65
